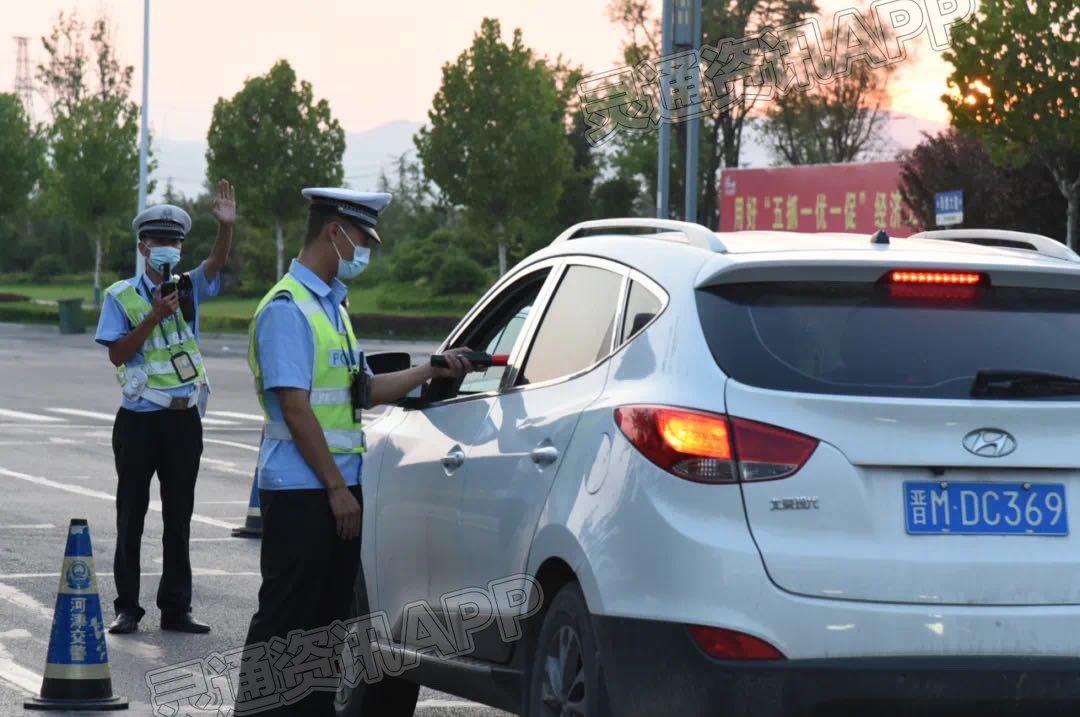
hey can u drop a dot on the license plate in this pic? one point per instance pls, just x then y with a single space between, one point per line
986 509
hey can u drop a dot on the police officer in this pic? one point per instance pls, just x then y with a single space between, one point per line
152 337
312 382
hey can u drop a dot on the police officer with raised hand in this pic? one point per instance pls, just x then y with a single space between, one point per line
150 324
313 382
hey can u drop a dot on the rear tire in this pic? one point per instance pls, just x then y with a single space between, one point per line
565 675
389 697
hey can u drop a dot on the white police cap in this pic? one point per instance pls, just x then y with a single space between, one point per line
162 221
361 207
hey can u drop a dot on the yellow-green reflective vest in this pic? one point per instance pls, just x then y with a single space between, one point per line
156 350
331 378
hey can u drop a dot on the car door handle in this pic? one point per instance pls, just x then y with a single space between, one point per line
453 459
544 455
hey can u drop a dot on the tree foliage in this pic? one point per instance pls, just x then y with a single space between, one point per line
272 139
23 150
65 74
496 143
1016 85
1011 197
839 121
95 165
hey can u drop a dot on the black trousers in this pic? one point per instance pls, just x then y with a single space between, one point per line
307 583
170 444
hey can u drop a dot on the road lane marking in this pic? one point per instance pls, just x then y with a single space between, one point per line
34 526
32 417
232 444
450 704
220 502
18 676
91 493
80 413
236 414
107 575
217 422
227 467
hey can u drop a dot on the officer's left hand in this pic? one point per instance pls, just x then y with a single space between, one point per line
224 209
458 366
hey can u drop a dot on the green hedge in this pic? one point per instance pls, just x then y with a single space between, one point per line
8 298
29 313
403 327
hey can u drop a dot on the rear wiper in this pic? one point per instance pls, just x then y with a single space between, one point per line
993 383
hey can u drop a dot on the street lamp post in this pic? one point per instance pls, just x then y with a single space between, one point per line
144 139
663 168
693 127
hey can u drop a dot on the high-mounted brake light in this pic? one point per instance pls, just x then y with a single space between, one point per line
936 278
713 448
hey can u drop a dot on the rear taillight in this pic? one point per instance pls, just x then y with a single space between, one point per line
730 645
713 448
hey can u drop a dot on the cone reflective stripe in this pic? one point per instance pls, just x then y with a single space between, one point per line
252 527
77 665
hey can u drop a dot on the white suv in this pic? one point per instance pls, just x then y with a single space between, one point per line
750 473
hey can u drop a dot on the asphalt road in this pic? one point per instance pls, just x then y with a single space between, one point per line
58 398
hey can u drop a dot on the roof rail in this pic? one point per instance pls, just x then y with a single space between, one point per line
1005 239
695 234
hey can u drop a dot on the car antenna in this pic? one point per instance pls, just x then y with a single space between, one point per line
881 237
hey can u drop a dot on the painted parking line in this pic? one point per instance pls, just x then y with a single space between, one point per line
102 495
31 526
237 415
80 413
232 444
31 417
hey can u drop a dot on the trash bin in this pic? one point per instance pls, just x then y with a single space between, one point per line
71 319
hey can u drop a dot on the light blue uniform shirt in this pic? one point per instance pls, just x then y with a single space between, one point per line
286 350
113 325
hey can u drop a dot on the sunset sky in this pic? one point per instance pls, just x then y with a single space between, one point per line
374 61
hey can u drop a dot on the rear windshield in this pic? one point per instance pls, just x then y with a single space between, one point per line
858 339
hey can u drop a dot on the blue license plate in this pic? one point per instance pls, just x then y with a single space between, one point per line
986 508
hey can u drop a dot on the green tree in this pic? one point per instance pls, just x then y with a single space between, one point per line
95 166
23 150
722 130
65 74
843 120
272 139
1016 85
497 144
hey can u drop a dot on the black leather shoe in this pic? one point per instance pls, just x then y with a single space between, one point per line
183 623
125 623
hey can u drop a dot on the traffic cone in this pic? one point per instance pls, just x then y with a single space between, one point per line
252 527
77 666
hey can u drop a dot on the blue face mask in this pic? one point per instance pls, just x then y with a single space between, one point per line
162 255
361 257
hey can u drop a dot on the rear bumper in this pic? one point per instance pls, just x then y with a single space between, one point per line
654 668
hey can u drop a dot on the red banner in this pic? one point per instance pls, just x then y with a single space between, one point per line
860 198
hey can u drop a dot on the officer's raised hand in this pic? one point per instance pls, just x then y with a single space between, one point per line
164 307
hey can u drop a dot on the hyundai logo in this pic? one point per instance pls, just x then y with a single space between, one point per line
990 443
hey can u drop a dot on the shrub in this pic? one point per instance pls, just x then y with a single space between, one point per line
46 267
458 275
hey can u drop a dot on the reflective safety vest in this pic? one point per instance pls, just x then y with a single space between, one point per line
331 379
157 373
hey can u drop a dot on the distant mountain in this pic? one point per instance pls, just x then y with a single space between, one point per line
366 154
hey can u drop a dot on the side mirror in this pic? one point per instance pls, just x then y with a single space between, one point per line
389 361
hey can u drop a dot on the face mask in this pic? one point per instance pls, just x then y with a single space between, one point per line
162 255
361 256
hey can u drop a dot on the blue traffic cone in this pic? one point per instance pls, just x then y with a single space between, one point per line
77 666
252 527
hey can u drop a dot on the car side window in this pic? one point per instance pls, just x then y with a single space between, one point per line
641 307
495 331
577 327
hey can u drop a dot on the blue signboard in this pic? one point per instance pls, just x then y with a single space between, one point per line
949 208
